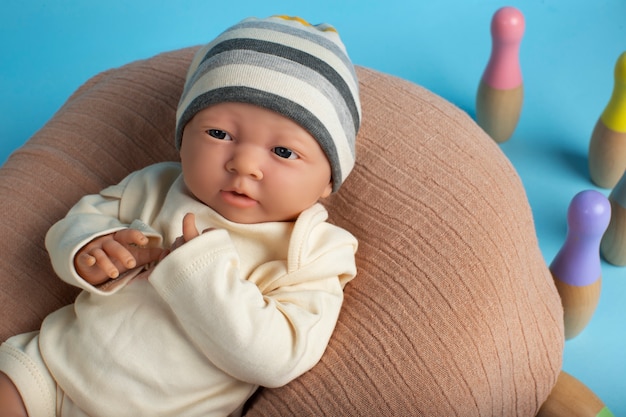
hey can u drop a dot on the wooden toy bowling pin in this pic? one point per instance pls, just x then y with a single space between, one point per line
613 245
501 90
572 398
607 148
576 267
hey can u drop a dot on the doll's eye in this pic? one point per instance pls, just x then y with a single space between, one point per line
285 152
218 134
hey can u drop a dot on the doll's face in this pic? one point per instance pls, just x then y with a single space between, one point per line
251 164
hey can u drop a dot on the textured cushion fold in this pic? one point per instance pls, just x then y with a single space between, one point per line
453 313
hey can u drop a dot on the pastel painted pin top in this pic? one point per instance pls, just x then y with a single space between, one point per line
578 261
614 115
503 70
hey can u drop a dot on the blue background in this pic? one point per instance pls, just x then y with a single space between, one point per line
49 48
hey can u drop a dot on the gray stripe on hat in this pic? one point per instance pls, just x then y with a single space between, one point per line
278 104
299 30
291 69
298 56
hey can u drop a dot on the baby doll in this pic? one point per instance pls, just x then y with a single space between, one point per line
205 279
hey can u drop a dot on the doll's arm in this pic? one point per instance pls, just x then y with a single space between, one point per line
265 337
108 256
94 220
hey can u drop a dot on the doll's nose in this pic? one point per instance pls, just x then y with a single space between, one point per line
245 161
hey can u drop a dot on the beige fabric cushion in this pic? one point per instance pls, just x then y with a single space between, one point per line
453 312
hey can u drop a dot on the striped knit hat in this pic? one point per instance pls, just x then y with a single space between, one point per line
288 66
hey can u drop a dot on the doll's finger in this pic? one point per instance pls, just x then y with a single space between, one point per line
85 260
105 264
190 231
130 237
117 252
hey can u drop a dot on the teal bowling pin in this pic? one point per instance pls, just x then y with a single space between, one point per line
501 89
576 268
613 245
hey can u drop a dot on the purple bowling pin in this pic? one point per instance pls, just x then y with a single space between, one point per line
576 267
501 90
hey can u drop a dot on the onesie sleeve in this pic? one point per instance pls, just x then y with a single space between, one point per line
102 214
265 336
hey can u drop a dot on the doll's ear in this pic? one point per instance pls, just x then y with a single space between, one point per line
328 190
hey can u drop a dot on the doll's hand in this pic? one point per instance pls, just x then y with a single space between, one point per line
106 257
190 231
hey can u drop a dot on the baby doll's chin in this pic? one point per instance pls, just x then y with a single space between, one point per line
250 215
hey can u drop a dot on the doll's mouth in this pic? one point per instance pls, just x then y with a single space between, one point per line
237 199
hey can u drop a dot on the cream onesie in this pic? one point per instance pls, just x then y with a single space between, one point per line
242 306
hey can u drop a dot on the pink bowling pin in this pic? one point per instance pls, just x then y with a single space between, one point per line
501 90
576 267
607 147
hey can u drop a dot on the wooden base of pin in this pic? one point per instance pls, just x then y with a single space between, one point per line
613 245
579 304
498 111
607 155
572 398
